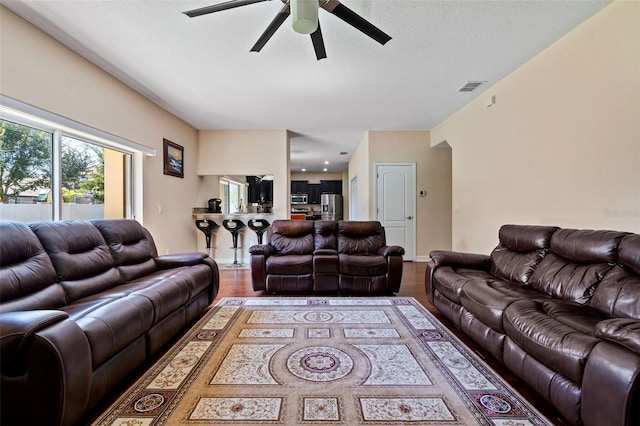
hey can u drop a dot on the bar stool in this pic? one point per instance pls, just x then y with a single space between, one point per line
235 226
207 227
259 226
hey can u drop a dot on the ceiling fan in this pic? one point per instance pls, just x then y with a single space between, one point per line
305 19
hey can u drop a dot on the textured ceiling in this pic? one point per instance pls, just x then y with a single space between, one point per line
201 69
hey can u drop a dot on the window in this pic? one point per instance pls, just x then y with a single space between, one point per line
94 181
232 195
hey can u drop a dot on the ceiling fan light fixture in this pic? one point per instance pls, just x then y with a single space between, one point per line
304 14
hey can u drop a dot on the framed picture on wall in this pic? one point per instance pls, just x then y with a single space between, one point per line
173 155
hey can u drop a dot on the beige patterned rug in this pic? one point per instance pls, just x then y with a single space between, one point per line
320 361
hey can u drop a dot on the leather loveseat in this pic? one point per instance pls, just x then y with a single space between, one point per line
82 305
560 308
348 257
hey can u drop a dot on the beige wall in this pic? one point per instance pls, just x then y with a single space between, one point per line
40 71
433 175
561 146
247 153
360 169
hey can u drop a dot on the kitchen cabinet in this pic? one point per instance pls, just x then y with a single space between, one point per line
299 187
266 190
331 186
259 188
253 189
314 193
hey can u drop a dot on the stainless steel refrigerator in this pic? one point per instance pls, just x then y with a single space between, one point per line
331 206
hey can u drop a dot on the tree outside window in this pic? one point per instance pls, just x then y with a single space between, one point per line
26 178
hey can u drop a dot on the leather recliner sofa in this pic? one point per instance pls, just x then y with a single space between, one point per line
560 308
82 305
348 257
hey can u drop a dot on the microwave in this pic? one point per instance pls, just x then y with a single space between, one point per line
298 198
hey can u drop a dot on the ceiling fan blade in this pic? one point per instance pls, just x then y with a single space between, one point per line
220 6
272 28
356 21
318 43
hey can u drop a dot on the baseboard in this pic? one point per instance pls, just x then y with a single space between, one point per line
422 258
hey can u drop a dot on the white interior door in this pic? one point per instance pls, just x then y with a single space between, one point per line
395 204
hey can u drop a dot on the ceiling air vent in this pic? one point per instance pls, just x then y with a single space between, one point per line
471 86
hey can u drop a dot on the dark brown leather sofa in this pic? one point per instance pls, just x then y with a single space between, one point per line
82 305
348 257
560 308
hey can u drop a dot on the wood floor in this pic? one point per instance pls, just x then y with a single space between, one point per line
237 283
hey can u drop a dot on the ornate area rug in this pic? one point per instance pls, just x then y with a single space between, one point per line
320 361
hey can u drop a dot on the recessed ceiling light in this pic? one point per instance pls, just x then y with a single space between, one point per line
324 170
326 162
303 170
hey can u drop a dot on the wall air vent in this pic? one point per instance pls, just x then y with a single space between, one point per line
471 86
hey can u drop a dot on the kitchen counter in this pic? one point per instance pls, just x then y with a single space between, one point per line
222 216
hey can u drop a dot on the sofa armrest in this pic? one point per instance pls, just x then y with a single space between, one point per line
460 260
611 379
623 331
387 251
259 255
453 259
262 249
169 261
16 328
45 356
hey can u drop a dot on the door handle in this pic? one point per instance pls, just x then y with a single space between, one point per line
409 217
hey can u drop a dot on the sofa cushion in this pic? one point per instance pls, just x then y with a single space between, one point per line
487 300
292 237
80 256
449 281
26 272
629 253
526 238
325 234
131 246
360 237
514 266
195 278
166 296
617 295
586 246
577 263
520 250
111 324
567 280
556 333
